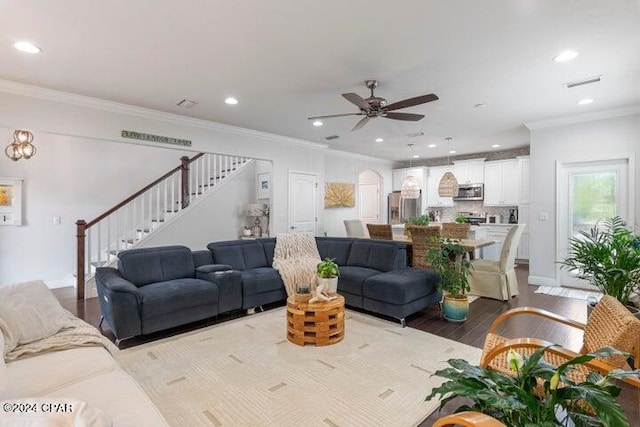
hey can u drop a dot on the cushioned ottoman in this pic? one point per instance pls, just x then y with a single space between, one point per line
400 293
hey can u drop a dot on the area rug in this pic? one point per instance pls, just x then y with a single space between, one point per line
568 292
245 373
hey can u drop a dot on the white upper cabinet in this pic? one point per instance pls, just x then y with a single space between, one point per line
524 180
469 171
501 183
433 181
399 175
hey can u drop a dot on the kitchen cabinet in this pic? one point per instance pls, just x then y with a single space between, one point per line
399 176
497 233
501 183
523 165
524 218
433 181
469 171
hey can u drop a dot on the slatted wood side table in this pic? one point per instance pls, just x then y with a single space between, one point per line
319 323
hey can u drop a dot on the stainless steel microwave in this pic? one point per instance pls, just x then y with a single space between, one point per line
470 192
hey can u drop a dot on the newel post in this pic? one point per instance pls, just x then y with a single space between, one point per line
81 226
184 188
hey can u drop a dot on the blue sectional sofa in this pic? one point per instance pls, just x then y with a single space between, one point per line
158 288
373 274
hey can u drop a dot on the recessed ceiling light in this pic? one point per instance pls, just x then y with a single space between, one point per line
495 146
565 56
379 140
316 123
431 145
452 152
27 47
585 101
231 100
416 156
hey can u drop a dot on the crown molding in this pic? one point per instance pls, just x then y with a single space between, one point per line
584 117
334 152
23 89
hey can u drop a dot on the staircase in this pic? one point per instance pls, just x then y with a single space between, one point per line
131 221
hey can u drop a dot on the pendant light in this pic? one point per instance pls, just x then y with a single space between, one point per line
448 186
21 147
410 189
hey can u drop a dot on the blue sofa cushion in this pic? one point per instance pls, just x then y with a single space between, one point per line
401 286
335 247
261 279
269 245
378 255
150 265
352 278
163 298
240 254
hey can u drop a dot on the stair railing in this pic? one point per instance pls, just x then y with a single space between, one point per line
100 240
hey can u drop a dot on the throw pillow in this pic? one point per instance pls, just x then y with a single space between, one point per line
29 312
52 412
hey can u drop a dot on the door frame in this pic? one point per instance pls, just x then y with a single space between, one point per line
562 216
289 205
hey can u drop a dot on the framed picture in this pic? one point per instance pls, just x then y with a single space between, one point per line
339 195
10 201
264 185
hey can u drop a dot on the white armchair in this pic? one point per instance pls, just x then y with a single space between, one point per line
497 279
354 228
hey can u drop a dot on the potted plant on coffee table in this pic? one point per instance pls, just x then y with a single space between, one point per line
450 261
328 272
608 256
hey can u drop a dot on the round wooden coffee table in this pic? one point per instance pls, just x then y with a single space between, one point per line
319 323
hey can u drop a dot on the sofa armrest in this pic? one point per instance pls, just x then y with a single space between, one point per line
229 284
120 302
211 268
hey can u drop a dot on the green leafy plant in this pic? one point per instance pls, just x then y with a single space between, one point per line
327 268
608 256
461 219
418 220
518 400
450 261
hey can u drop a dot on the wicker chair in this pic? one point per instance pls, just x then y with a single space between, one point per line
609 325
423 238
380 231
453 230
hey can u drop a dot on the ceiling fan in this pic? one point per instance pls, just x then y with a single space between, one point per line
375 106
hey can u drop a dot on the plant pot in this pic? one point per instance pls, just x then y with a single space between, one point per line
455 308
330 284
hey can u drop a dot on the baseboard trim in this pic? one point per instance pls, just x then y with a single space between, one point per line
542 281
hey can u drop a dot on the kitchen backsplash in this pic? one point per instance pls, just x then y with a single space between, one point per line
450 214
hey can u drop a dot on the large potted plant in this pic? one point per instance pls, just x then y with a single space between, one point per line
328 272
450 261
608 256
537 393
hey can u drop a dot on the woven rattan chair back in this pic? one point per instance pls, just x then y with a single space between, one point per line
380 231
423 238
453 230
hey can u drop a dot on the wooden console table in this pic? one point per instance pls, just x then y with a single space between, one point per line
319 323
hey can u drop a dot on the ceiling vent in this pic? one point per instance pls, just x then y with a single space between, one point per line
330 137
186 103
415 135
577 83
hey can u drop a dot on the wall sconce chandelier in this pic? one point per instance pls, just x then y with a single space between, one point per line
21 147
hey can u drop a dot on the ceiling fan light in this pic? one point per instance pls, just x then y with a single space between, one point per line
410 188
448 186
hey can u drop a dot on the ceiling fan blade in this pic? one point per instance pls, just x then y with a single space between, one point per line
404 116
334 115
360 124
410 102
356 99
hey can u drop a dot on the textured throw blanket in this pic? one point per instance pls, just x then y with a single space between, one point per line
296 258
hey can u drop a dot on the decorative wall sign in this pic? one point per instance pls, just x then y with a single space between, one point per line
339 195
155 138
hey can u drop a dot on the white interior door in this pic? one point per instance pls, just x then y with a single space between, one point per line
587 193
369 195
303 202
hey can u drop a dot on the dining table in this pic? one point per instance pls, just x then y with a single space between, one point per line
469 244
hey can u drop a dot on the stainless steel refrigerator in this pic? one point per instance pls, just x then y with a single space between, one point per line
400 209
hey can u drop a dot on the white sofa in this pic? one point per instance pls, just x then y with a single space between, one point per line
99 393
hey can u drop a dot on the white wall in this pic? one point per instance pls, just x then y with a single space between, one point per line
593 140
70 178
347 168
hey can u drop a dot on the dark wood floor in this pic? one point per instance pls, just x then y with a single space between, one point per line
482 312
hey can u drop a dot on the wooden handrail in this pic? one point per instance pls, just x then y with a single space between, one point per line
136 194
